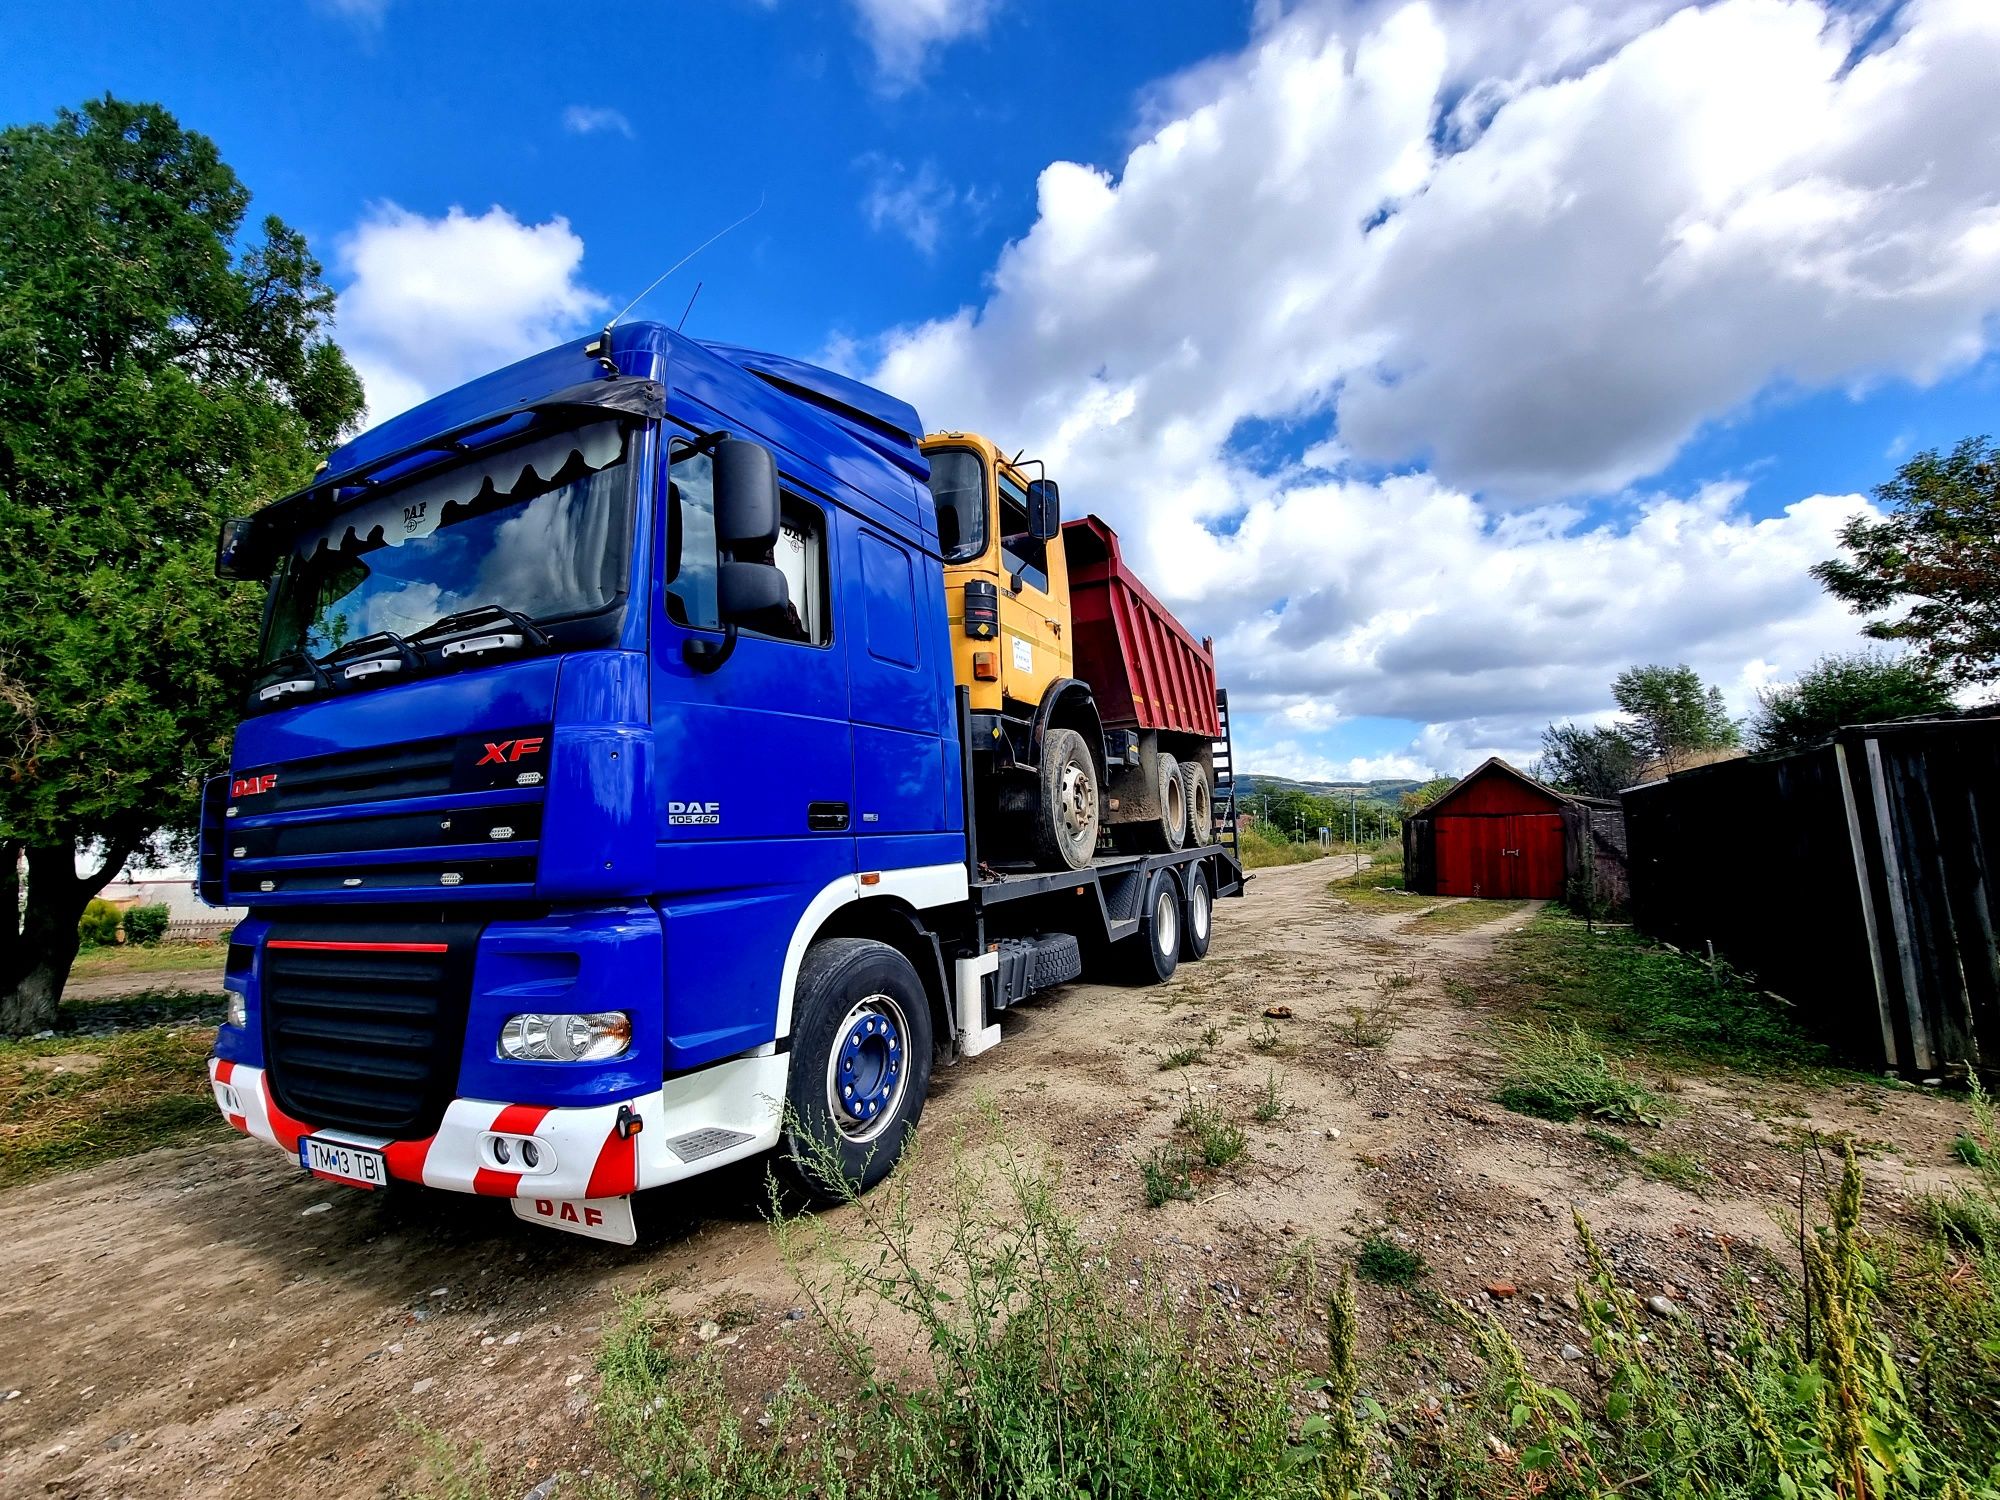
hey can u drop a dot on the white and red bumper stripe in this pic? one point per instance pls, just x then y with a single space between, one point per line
583 1153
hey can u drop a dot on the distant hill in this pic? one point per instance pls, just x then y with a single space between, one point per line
1385 791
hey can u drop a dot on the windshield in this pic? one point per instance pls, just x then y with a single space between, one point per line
540 528
958 485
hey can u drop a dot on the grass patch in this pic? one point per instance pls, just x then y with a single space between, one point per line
160 958
141 1009
1462 916
1557 1073
1962 1218
1386 1263
1271 1102
1610 1140
1217 1141
1675 1168
62 1111
1181 1057
1263 850
1631 991
1166 1174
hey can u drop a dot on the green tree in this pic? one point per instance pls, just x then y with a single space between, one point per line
1589 762
1417 798
1670 715
1863 688
1934 559
158 372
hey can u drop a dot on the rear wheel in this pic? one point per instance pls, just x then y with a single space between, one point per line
1197 914
1066 809
1151 954
861 1066
1200 809
1173 805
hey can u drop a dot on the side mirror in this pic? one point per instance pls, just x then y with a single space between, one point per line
1044 509
752 593
746 499
237 553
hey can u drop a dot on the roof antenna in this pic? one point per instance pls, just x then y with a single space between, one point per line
599 348
690 307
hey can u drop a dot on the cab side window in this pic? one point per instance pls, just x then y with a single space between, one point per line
1019 551
800 553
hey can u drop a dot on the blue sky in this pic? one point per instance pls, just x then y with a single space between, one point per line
1439 359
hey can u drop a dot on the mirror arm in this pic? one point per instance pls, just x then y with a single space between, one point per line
705 655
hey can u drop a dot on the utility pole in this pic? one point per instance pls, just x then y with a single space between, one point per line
1353 813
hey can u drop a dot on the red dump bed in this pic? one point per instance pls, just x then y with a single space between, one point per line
1146 671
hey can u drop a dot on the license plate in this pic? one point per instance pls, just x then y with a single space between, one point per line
355 1165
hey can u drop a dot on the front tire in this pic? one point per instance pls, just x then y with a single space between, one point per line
1151 954
861 1068
1066 807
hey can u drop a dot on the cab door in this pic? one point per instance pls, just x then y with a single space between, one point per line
1035 648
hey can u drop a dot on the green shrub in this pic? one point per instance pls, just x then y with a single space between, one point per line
145 925
98 927
1166 1174
1217 1141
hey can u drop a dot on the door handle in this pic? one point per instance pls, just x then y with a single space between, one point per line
826 817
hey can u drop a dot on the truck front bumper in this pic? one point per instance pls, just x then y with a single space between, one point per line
690 1125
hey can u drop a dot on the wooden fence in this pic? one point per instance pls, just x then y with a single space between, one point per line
1855 880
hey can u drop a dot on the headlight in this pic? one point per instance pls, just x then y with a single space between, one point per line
236 1013
586 1038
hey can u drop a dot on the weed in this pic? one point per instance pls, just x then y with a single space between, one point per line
1558 1074
1386 1263
1181 1057
1266 1038
1610 1140
1167 1173
1369 1025
1969 1152
1674 1168
1217 1141
1210 1037
1271 1103
1962 1218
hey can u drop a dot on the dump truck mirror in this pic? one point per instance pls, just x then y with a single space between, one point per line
1044 509
752 593
238 554
746 499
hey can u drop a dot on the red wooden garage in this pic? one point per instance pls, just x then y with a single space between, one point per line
1499 833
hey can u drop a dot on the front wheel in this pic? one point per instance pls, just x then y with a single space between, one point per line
861 1067
1066 808
1151 954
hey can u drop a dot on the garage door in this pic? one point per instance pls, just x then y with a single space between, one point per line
1500 855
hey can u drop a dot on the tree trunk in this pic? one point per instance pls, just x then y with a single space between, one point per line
43 947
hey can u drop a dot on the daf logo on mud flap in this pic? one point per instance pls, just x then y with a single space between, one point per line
694 814
563 1211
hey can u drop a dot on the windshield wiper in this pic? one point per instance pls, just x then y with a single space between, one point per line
370 656
295 674
481 631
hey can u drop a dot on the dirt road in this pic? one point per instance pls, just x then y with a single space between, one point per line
205 1321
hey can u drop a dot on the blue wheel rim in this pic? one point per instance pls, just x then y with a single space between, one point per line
867 1068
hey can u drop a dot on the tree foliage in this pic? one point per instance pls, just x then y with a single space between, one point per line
1671 715
1863 688
1930 569
1597 762
159 370
1418 798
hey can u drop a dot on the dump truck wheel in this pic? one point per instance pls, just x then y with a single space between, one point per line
861 1066
1200 807
1066 810
1151 954
1173 805
1197 914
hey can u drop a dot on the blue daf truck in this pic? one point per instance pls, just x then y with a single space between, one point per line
604 805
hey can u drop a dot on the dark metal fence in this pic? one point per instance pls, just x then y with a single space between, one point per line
1856 880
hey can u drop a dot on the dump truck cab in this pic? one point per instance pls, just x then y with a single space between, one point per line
1006 577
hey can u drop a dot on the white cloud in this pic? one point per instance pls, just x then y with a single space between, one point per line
596 119
918 204
903 33
433 302
1530 249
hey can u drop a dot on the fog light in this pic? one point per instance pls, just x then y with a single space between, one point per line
592 1037
502 1153
530 1155
236 1012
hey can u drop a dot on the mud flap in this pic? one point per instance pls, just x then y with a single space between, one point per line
594 1218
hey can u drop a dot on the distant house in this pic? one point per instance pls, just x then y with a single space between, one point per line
1499 833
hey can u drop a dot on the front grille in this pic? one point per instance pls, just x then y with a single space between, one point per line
436 873
364 1024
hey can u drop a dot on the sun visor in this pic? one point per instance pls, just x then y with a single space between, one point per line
416 510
